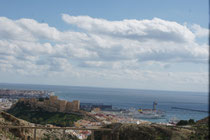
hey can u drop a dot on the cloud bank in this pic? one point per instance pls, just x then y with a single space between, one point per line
29 47
156 28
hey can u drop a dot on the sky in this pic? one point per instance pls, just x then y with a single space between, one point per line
148 44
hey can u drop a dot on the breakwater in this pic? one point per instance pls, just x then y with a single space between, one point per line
197 110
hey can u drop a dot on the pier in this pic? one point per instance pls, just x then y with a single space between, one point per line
197 110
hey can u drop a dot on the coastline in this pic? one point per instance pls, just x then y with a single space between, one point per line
126 99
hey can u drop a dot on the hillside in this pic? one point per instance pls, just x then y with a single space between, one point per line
201 129
198 131
194 131
40 116
22 134
143 132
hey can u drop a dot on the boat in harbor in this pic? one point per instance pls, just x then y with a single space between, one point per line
173 121
144 113
151 113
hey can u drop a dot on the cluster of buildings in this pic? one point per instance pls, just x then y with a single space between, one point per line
105 117
10 96
108 117
16 94
53 104
87 124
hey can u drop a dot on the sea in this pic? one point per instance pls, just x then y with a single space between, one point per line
121 98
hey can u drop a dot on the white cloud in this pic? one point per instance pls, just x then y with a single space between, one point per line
200 31
108 49
10 30
156 39
134 29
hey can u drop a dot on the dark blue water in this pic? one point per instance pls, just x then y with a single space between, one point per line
131 98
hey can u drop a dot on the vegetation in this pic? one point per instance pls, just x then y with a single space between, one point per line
55 136
8 135
40 116
195 131
186 122
201 130
139 132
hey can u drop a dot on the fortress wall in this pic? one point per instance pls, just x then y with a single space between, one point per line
40 104
57 103
47 102
54 104
76 105
62 107
33 100
53 99
51 109
21 99
69 106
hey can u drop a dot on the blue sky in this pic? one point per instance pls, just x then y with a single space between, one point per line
150 44
191 11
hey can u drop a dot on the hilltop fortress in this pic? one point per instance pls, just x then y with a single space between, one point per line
53 104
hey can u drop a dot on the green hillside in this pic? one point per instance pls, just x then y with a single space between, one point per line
40 116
